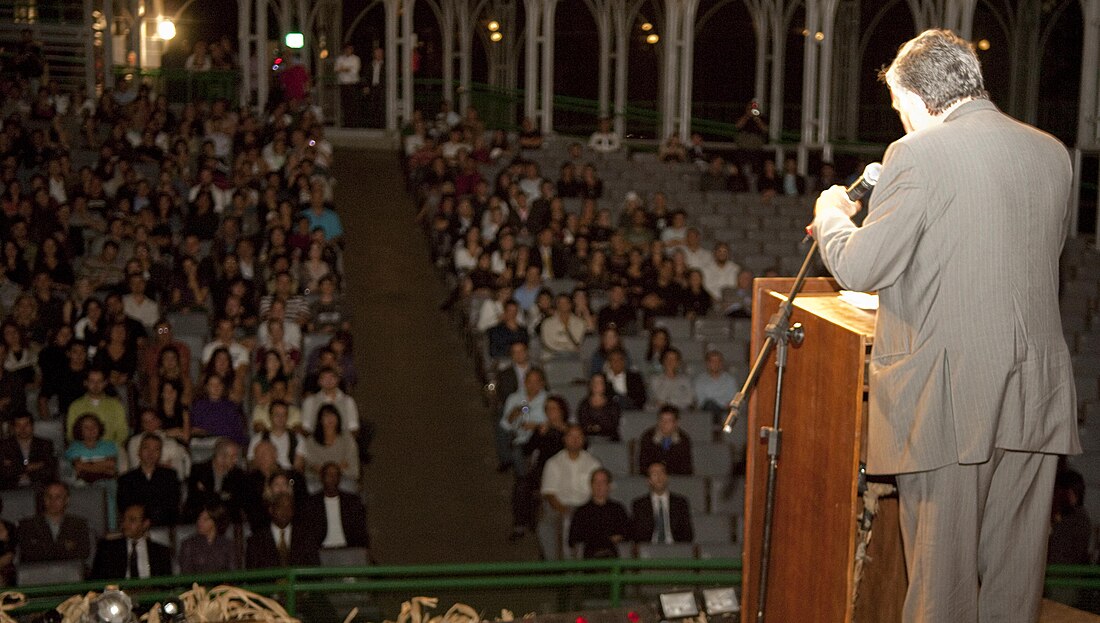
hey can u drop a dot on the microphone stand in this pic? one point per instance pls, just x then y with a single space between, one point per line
780 334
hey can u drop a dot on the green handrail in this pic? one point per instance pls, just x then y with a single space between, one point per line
615 575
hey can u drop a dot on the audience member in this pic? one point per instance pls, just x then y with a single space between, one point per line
600 524
715 387
150 485
721 272
25 459
666 443
133 555
329 443
173 455
95 460
53 534
217 481
507 332
661 516
627 386
345 517
108 410
670 387
604 140
285 542
208 550
9 541
562 333
598 414
565 486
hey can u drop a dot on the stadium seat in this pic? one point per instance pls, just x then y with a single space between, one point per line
615 457
91 504
18 504
712 528
51 572
344 557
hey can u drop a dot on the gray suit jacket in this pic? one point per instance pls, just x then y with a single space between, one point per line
962 240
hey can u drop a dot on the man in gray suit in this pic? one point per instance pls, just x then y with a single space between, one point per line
971 391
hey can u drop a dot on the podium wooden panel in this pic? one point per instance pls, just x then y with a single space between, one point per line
823 419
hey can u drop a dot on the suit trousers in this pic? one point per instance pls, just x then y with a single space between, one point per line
975 538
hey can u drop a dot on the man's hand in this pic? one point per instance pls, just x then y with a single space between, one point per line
836 198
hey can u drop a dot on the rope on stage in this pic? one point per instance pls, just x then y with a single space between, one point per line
871 495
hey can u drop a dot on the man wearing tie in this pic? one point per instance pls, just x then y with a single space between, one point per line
134 555
284 543
376 90
661 516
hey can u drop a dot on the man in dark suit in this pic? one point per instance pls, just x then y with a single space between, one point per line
627 386
25 460
151 485
661 516
54 534
666 443
133 555
971 387
551 258
217 481
284 542
343 515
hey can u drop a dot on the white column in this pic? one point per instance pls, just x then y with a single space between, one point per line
465 48
532 17
810 47
263 69
448 28
549 8
603 30
670 44
622 55
779 51
408 42
825 77
244 46
687 61
391 8
761 29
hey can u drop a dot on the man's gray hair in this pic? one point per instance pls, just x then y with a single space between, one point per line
940 67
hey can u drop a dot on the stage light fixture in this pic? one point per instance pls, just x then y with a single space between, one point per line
646 26
295 40
493 25
984 45
112 606
172 611
166 28
496 36
652 38
720 601
819 36
680 605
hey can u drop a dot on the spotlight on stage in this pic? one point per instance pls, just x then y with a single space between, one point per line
112 606
172 611
681 605
720 601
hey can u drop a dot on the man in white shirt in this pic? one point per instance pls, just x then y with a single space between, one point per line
565 486
347 68
563 332
721 273
138 306
329 380
694 254
604 140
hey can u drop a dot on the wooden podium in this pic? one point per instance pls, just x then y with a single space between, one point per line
823 418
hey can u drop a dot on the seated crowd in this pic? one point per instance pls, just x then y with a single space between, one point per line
547 265
174 336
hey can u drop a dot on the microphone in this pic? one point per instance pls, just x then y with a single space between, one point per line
865 183
857 190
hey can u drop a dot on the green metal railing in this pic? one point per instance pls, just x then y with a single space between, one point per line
181 86
613 577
